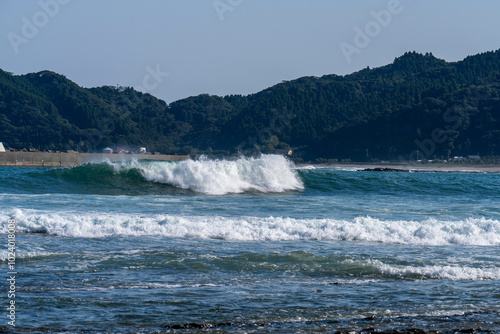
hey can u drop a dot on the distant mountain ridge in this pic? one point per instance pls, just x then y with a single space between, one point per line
418 106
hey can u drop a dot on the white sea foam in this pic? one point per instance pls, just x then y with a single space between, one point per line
336 168
452 272
267 173
472 231
308 167
23 254
348 169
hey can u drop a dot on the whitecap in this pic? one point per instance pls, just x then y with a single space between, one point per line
471 231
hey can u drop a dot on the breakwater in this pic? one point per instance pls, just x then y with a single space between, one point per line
63 159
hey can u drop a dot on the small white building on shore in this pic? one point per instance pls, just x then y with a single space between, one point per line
2 148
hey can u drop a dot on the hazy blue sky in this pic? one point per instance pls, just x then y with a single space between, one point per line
178 48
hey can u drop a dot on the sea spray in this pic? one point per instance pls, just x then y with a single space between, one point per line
267 173
264 174
471 231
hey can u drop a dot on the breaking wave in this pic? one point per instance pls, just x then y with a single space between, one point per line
266 174
472 231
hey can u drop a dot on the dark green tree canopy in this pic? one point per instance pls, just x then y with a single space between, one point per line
418 102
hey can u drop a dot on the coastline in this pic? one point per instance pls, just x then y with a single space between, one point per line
71 159
486 168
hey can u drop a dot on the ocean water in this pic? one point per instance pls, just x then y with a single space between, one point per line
249 245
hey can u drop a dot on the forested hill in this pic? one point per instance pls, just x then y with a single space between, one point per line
418 102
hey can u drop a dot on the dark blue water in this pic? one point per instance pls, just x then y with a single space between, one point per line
252 245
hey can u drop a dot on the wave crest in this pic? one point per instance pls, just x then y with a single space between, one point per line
472 231
268 173
451 272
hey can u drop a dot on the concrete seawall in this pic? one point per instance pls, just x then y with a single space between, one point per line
45 159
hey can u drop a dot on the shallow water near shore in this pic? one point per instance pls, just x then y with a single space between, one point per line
251 245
